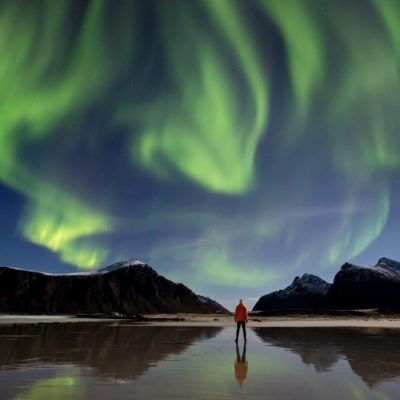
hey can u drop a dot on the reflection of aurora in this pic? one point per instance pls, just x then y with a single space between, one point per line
59 387
251 127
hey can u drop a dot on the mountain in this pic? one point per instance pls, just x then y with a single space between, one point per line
309 291
126 287
354 287
358 286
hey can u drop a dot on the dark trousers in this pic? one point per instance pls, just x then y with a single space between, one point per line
243 323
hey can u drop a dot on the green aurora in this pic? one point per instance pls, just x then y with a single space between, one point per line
250 139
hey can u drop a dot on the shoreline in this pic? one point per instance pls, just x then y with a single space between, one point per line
195 320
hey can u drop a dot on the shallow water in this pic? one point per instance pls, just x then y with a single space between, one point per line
127 361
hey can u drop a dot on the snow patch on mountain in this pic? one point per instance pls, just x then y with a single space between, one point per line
385 269
307 283
133 262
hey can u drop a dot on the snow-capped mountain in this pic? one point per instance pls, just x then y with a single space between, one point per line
126 287
309 291
354 287
357 286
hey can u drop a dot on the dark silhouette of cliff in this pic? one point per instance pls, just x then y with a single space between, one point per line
354 287
128 287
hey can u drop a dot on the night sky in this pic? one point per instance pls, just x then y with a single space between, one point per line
230 144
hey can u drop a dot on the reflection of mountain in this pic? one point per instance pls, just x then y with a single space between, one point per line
315 346
121 352
373 354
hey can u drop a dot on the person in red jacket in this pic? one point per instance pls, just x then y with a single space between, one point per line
241 317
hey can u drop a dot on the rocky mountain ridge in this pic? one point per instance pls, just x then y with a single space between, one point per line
358 286
354 287
304 292
126 287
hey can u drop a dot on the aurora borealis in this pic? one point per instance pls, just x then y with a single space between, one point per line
230 144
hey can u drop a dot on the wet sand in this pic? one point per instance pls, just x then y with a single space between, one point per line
283 322
196 357
186 320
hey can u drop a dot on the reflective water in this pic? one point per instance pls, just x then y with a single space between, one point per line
122 361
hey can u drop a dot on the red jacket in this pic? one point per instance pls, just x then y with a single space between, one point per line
241 313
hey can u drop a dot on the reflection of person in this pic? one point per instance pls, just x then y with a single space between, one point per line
241 317
241 365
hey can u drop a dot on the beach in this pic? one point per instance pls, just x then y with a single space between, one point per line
195 356
220 321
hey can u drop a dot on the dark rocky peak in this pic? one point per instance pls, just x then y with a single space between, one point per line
364 286
383 264
310 283
347 266
385 269
307 291
388 263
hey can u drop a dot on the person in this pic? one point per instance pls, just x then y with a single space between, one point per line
241 318
241 365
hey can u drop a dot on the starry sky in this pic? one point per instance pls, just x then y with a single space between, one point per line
230 144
